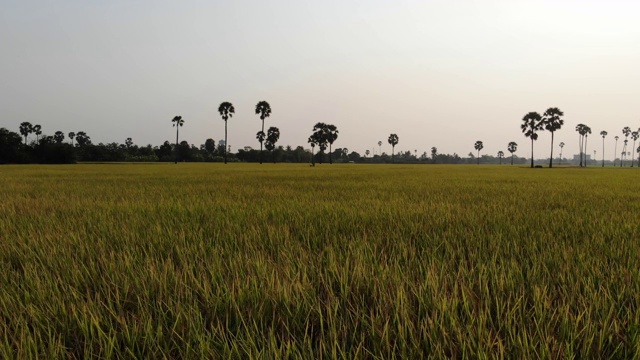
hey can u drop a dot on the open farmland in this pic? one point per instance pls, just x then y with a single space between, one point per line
346 261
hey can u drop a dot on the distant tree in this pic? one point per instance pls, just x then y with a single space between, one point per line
273 135
434 153
531 124
552 122
320 134
261 137
580 128
177 122
210 146
366 153
561 146
72 135
393 140
227 110
380 147
634 136
58 137
478 146
500 156
313 140
615 151
603 134
587 131
626 131
25 129
512 148
128 142
37 129
264 110
83 139
331 133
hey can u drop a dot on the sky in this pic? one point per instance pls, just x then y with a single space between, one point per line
436 73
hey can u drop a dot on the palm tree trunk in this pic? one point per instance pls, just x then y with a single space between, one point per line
615 151
586 140
633 158
580 144
532 153
603 151
393 153
511 158
177 127
225 141
478 157
330 160
551 159
261 142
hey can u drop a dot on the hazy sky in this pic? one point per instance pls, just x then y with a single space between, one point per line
438 73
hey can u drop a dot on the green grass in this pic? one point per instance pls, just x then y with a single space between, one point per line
341 261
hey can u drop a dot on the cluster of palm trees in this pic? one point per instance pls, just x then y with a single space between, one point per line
323 135
533 122
226 110
26 129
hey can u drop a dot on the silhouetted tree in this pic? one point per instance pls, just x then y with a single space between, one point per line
561 145
72 135
58 137
25 129
626 131
264 109
500 156
331 133
531 124
393 140
177 122
434 154
37 129
512 148
366 153
552 122
603 134
478 146
634 136
227 110
273 135
380 147
83 139
580 128
587 131
313 140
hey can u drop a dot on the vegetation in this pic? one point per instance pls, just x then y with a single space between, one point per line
226 110
177 122
156 261
264 110
478 146
393 141
531 124
552 121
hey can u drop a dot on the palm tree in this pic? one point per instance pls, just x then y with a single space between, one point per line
58 137
264 109
581 129
37 129
634 136
380 146
531 124
478 146
273 135
512 148
366 153
313 140
25 129
331 132
71 136
226 110
561 146
587 131
393 140
500 156
603 134
177 122
552 122
626 131
615 152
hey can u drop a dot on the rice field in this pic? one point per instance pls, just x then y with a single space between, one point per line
342 261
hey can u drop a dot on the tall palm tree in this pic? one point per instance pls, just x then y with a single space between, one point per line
273 135
615 152
634 136
37 129
332 135
177 122
603 134
582 131
626 131
512 148
264 109
380 147
72 135
25 129
478 146
587 131
58 137
531 124
552 122
393 140
561 146
313 140
500 156
226 110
